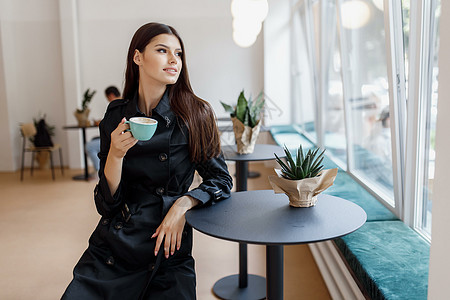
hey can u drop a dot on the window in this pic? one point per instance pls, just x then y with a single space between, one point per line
375 107
366 92
304 67
332 91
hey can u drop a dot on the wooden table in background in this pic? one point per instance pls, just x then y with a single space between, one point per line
86 176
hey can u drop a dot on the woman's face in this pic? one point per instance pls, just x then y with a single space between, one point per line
160 62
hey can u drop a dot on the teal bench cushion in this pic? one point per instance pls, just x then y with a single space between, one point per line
347 188
287 135
389 259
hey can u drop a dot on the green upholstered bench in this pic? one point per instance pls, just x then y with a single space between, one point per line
288 135
345 187
388 258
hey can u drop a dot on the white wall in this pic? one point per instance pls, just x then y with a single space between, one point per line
218 68
6 149
31 60
39 43
439 287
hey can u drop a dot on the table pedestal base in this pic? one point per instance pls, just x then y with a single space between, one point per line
253 174
274 271
228 288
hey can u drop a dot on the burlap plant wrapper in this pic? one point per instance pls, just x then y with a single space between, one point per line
245 136
303 193
82 117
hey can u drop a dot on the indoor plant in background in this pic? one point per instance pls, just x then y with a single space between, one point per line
42 138
82 114
302 178
246 118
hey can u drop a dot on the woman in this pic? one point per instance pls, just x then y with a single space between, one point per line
141 248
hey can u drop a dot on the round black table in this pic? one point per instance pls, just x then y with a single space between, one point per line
86 176
265 218
243 285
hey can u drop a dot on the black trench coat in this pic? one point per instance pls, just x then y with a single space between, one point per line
119 262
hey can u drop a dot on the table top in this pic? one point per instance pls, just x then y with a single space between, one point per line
79 127
222 119
261 152
263 217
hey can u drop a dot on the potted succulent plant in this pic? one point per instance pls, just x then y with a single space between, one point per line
82 114
302 178
246 118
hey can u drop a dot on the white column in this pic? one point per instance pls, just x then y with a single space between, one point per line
7 163
72 76
440 245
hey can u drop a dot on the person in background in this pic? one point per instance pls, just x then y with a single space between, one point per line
379 163
93 146
381 140
142 245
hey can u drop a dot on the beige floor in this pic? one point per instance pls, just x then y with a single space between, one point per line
45 226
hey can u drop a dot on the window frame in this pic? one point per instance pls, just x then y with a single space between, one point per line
397 97
419 105
311 45
393 103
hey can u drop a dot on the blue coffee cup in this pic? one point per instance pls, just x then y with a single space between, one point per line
142 128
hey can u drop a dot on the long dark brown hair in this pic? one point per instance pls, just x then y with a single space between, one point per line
197 114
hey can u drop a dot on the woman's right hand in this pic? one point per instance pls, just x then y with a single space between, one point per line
121 140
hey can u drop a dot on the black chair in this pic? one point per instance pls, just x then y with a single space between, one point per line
28 130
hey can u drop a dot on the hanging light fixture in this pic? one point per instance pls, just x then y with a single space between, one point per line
247 25
379 4
248 16
354 14
243 39
258 9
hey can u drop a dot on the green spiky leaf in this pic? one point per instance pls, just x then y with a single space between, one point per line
303 166
228 108
255 108
247 111
87 97
241 107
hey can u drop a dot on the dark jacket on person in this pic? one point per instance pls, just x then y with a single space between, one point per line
120 262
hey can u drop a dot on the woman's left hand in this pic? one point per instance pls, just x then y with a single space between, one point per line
171 228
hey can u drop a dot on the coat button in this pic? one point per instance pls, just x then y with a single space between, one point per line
152 267
163 157
118 225
105 221
160 191
110 261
